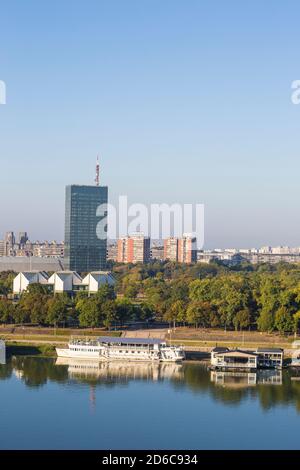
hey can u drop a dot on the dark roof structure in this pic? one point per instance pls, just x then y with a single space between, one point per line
219 349
114 340
269 350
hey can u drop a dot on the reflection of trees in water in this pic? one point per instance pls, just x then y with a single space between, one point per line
36 372
197 378
6 371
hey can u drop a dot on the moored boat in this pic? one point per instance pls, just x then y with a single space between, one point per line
112 348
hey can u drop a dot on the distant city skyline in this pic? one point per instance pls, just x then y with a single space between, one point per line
183 103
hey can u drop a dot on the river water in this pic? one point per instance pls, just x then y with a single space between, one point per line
56 404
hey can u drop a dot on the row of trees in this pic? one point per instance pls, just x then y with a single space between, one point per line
39 306
265 297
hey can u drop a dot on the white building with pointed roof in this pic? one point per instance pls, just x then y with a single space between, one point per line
65 281
94 280
24 279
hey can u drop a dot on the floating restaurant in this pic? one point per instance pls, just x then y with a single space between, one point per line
224 358
237 359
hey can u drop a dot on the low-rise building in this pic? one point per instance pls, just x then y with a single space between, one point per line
65 281
24 279
93 281
30 263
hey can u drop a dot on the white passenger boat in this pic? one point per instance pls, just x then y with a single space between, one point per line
111 348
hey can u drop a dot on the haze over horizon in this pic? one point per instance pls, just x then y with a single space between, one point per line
186 102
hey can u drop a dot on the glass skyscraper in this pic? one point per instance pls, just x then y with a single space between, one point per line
85 250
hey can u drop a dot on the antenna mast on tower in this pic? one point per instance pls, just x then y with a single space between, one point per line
97 179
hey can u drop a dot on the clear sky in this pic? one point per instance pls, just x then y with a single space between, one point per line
185 100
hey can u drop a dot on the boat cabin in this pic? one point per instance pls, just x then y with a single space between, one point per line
223 358
270 357
131 343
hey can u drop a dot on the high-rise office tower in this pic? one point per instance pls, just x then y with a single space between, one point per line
85 242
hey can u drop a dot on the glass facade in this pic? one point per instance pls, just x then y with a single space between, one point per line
84 250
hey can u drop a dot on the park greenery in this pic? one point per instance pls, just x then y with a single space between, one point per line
262 297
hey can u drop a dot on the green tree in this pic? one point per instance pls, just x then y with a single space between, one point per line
131 291
109 312
34 304
89 312
7 311
176 312
57 310
284 320
125 310
242 319
265 321
198 314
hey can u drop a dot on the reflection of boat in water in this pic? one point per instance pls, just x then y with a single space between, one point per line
112 348
93 369
2 352
233 379
246 379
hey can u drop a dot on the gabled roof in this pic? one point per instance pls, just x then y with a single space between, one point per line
97 276
63 275
29 275
238 353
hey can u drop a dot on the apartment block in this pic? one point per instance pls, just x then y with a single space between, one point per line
187 249
134 249
171 249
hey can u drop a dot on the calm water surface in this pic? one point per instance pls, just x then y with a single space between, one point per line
54 404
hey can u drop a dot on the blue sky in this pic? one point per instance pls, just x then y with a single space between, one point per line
186 101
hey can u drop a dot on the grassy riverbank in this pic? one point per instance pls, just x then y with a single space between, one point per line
14 348
39 340
35 340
